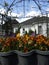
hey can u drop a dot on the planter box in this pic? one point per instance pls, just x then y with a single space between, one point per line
8 58
43 57
28 58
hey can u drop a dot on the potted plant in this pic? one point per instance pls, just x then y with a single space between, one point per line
7 55
26 50
42 46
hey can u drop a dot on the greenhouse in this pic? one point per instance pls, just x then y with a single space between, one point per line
24 32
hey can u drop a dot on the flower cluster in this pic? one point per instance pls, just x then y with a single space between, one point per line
1 43
42 42
24 43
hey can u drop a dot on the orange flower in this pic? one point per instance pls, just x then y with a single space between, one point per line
25 49
32 38
24 41
48 42
1 40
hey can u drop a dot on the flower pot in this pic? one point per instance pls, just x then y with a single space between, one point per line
8 58
4 58
0 62
43 57
28 58
13 59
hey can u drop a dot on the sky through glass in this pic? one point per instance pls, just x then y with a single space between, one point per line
27 8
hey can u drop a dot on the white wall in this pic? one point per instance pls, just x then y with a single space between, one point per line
27 28
14 29
44 27
21 31
32 27
35 27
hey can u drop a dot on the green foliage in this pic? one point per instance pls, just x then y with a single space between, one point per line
30 32
18 31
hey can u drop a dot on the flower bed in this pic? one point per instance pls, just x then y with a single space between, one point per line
24 43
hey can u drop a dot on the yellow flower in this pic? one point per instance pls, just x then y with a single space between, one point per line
30 42
18 35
